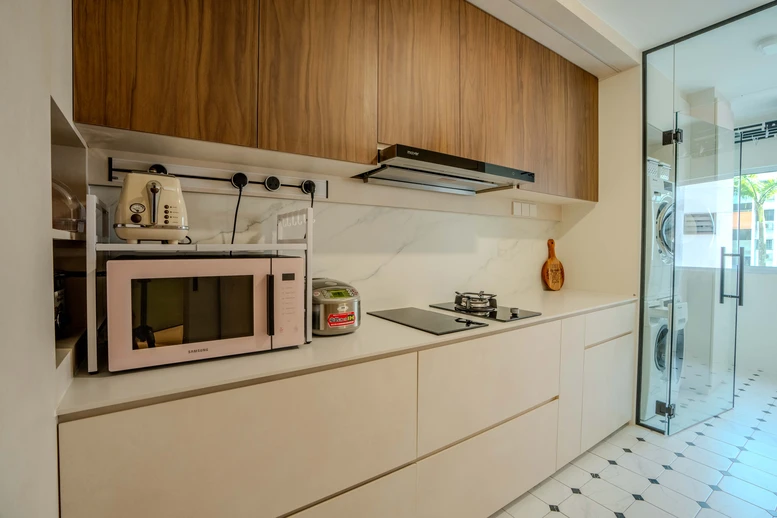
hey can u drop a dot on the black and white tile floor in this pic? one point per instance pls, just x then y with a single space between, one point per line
703 392
725 467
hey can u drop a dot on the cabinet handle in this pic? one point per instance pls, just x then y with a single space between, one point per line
741 295
270 304
722 272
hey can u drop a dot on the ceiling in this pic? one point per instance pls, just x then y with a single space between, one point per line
727 59
649 23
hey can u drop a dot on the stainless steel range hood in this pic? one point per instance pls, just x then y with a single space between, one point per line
413 168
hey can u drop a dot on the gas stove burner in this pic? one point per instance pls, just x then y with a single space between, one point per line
476 303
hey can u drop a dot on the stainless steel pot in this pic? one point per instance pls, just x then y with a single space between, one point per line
336 308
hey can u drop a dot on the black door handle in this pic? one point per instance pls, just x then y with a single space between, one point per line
270 304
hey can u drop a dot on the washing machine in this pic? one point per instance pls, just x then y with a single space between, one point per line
657 369
659 263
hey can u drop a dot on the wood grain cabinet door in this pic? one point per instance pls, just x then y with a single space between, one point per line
418 75
318 78
582 153
171 67
513 100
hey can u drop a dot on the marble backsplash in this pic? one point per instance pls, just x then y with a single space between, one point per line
392 256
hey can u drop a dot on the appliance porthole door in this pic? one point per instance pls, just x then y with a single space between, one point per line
661 347
665 230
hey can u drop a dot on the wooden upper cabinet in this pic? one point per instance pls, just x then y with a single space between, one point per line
418 75
186 69
513 100
492 128
582 149
318 89
172 67
526 107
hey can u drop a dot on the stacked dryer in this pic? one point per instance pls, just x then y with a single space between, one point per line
661 310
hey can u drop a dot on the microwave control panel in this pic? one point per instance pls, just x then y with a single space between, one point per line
289 302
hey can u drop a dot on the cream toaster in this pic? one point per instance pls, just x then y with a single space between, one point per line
151 207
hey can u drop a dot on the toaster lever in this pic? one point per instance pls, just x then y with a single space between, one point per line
154 193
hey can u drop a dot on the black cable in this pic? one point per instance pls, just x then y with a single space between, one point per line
312 196
237 208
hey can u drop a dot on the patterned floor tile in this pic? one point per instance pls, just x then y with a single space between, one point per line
602 492
685 485
671 501
552 492
590 463
528 506
749 492
710 513
673 444
716 446
607 451
622 439
579 506
758 461
645 510
755 476
697 471
763 449
765 437
572 476
654 453
726 436
707 458
625 479
734 507
640 465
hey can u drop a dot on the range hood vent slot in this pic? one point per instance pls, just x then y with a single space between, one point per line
413 168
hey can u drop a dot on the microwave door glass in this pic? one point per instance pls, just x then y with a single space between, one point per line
186 310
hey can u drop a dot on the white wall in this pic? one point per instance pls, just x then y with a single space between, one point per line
600 246
28 462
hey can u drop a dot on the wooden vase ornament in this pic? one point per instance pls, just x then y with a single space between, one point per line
553 270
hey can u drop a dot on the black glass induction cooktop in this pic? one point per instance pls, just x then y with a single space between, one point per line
499 313
428 321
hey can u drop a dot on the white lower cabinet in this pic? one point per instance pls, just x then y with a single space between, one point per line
466 387
477 477
605 324
392 496
570 399
258 451
608 382
267 450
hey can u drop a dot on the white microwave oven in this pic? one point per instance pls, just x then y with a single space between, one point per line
164 311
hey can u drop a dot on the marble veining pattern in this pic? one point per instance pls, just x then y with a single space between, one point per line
734 476
393 256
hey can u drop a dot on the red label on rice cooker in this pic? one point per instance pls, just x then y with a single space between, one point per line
341 319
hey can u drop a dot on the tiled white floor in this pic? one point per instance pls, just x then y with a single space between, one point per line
702 393
725 467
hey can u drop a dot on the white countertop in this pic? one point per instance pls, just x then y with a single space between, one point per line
376 338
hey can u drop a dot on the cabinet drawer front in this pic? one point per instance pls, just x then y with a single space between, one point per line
479 476
257 451
466 387
601 326
608 385
392 496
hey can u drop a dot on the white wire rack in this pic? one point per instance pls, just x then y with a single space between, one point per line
98 230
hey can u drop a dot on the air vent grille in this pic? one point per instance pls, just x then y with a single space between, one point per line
702 223
759 131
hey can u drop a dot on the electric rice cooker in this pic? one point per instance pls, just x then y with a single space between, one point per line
336 308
